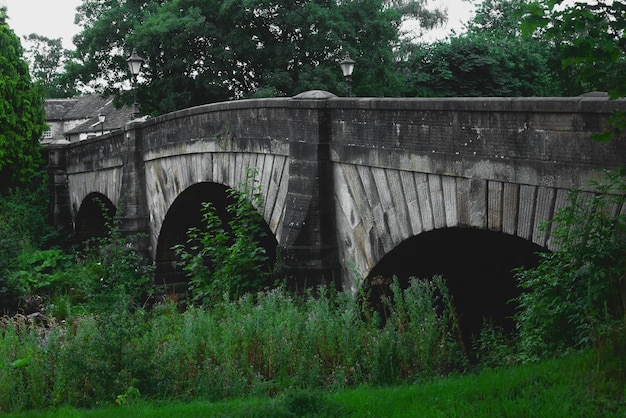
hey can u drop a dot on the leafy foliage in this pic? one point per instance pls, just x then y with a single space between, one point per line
200 51
578 291
22 118
23 228
589 38
227 262
490 59
480 65
37 276
47 59
41 271
424 319
110 272
270 344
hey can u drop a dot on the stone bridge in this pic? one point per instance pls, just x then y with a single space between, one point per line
344 180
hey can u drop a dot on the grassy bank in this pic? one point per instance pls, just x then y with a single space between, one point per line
569 387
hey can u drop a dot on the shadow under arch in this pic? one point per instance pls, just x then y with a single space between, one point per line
476 265
94 217
186 212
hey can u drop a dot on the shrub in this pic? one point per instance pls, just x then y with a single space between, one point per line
425 329
227 262
494 347
41 272
578 291
23 228
109 270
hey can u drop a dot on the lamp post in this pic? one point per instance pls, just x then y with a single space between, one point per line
347 66
101 118
134 65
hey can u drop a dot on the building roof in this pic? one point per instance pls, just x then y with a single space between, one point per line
87 109
56 109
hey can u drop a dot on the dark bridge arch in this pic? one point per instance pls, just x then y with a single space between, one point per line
476 265
186 212
94 217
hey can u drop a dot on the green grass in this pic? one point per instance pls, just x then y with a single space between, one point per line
568 387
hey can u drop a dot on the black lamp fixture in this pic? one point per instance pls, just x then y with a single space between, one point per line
134 65
101 118
347 66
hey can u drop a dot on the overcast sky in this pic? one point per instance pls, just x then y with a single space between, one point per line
55 18
50 18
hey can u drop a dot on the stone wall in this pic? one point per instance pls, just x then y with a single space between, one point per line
348 179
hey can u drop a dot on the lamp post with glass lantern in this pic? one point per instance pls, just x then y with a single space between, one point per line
101 118
134 65
347 66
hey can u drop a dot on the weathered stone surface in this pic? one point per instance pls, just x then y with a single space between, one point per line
346 180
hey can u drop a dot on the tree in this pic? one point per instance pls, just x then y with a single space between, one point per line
201 51
22 116
494 57
47 59
490 59
479 65
589 37
496 17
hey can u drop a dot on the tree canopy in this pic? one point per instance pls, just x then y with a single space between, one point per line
588 37
490 58
22 116
200 51
479 65
47 59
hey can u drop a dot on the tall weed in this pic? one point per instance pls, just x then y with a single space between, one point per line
423 321
227 261
262 345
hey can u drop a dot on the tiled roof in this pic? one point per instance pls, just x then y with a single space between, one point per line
56 109
87 107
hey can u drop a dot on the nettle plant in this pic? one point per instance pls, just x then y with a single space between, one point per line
226 260
578 292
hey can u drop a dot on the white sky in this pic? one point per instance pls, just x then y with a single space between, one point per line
50 18
55 18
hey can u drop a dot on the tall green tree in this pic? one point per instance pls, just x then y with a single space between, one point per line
22 116
201 51
47 59
589 37
479 65
490 59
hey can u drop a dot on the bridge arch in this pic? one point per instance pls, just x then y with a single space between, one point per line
169 176
476 265
379 208
186 212
94 216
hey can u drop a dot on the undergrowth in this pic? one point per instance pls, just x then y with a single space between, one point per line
261 346
98 343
